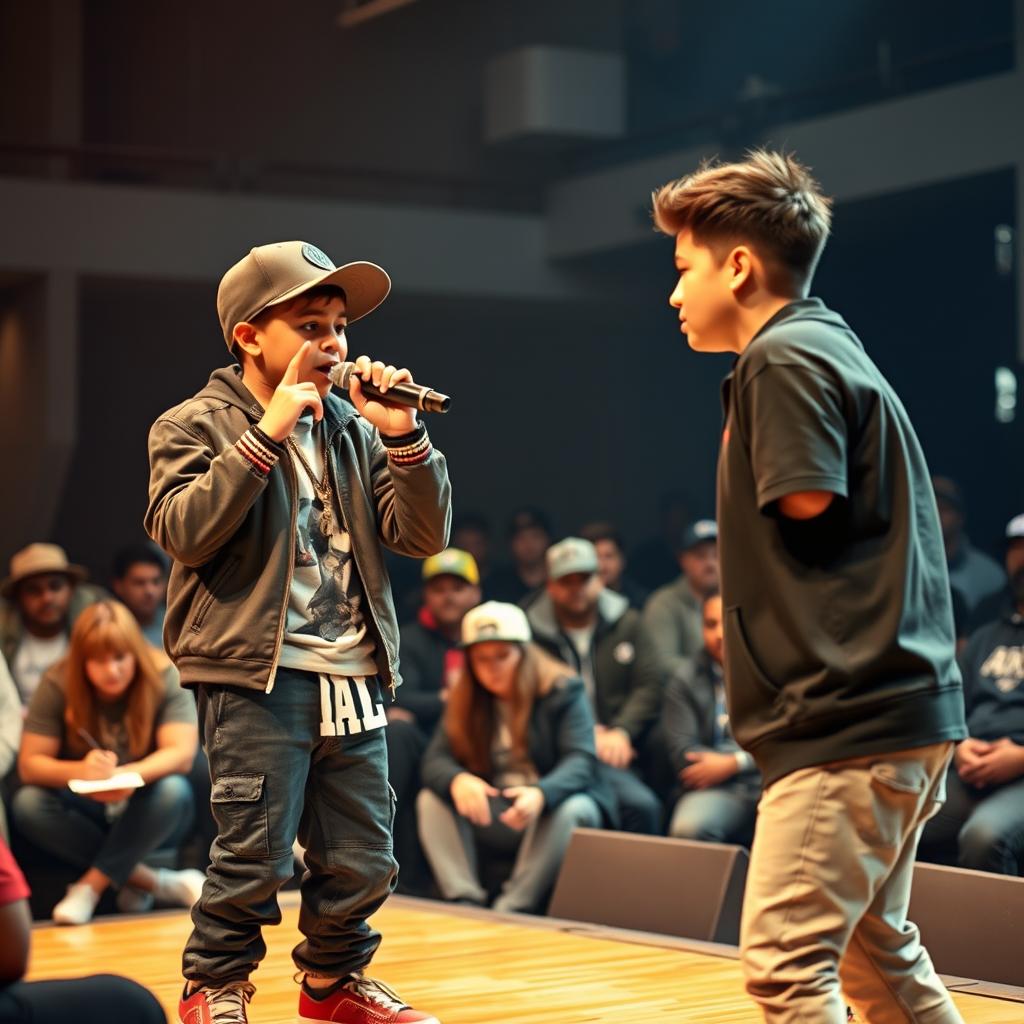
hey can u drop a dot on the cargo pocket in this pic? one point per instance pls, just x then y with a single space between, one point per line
240 809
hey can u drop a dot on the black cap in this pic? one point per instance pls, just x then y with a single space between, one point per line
699 532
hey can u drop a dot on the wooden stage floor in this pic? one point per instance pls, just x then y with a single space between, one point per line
465 966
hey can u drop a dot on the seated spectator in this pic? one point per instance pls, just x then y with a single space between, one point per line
104 710
528 538
10 736
672 614
83 1000
42 597
972 573
596 632
720 784
981 824
472 533
431 661
139 580
611 562
511 768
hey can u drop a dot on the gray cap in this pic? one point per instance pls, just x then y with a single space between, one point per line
571 555
1015 528
277 272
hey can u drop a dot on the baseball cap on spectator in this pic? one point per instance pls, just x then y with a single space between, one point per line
495 620
37 559
452 562
699 532
570 556
1015 528
528 518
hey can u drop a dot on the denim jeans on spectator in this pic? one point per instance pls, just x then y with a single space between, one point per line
718 814
981 829
640 810
274 777
76 830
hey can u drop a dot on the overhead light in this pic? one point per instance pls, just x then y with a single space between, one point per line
355 12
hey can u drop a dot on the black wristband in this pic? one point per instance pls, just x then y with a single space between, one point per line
264 438
404 440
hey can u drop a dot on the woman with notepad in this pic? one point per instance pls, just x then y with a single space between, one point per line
107 742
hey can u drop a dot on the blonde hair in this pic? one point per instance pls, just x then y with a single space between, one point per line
108 627
469 720
769 200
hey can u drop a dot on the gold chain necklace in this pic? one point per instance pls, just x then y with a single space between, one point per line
322 488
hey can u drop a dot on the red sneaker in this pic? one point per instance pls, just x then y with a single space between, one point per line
223 1005
359 1000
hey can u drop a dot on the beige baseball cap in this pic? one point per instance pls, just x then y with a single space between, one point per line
277 272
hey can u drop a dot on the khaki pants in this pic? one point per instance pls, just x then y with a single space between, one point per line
828 888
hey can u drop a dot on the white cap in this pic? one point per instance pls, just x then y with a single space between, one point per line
1015 527
495 620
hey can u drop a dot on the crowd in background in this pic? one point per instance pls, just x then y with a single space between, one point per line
574 685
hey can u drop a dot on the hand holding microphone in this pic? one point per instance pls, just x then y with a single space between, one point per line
398 388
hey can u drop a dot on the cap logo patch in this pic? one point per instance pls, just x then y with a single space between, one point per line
487 629
317 257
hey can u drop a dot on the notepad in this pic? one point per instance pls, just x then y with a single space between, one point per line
125 780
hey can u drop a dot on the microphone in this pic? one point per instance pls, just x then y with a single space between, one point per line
416 395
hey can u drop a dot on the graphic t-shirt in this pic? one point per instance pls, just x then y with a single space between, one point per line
325 630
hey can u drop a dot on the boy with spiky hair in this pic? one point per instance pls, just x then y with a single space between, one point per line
839 645
274 498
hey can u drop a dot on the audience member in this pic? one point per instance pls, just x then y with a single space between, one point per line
139 580
528 538
472 533
981 824
611 562
720 784
431 661
594 630
654 562
511 769
10 736
672 614
42 597
972 573
84 1000
106 710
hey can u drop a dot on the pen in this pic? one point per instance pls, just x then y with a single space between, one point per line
88 739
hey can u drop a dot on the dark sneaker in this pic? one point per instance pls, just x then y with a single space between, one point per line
222 1005
357 1000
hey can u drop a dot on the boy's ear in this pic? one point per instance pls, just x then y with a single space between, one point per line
741 265
245 339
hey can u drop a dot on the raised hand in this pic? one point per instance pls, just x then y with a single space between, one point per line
292 398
